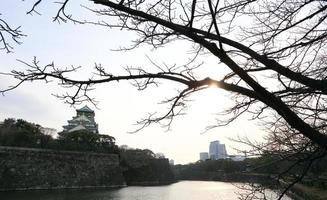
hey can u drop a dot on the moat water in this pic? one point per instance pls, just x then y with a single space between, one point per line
184 190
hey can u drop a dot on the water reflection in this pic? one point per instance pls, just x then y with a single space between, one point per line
184 190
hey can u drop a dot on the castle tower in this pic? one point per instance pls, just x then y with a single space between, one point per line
84 120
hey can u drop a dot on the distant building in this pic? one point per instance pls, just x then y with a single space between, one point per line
171 162
237 157
204 156
124 147
84 120
217 151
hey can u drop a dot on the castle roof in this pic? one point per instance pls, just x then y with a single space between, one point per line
85 109
81 118
77 128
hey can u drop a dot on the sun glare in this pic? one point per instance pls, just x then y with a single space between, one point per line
213 85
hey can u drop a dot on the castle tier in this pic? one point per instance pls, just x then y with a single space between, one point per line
84 120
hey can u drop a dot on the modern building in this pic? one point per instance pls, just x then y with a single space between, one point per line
171 162
204 156
237 157
84 120
124 147
217 151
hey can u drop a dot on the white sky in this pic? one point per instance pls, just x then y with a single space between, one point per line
120 105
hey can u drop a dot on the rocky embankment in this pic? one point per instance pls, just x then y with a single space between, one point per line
30 168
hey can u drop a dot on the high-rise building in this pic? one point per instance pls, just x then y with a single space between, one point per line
171 162
217 150
204 156
84 120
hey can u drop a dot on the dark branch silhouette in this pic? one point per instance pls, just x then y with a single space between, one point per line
9 35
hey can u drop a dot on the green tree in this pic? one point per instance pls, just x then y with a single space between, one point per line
22 133
84 140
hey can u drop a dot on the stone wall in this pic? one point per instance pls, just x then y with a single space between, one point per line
28 168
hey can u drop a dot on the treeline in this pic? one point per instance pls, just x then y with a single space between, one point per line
275 164
142 167
269 165
21 133
209 169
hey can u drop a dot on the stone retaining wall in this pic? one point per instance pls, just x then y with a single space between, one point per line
28 168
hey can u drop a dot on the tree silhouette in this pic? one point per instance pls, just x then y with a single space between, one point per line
274 50
9 35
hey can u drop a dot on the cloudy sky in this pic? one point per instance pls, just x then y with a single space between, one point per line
120 104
